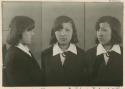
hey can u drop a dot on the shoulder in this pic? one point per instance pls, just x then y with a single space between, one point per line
79 50
47 51
16 53
13 51
90 56
121 49
13 55
91 53
91 50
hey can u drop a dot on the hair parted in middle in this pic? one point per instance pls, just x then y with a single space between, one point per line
58 24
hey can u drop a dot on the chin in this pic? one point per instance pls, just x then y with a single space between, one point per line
62 43
28 43
105 44
102 43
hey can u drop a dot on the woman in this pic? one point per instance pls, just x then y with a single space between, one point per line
105 61
21 67
63 63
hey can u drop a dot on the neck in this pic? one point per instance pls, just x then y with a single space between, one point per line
107 47
23 43
64 46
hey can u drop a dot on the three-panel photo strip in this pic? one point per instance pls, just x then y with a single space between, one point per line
62 44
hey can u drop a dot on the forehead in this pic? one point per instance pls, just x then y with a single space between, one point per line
67 24
104 25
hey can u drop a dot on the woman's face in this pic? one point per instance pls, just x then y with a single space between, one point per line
27 37
64 35
104 33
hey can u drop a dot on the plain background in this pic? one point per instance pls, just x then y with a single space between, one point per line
84 15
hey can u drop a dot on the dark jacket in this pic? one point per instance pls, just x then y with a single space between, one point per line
72 72
101 74
4 78
21 69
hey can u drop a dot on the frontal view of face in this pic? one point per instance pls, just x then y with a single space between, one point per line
104 33
64 35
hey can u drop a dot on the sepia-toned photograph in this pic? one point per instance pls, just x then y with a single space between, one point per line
47 43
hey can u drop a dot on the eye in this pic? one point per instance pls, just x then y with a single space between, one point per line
97 30
67 29
104 30
101 29
59 30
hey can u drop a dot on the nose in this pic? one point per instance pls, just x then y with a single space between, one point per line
99 32
32 32
63 32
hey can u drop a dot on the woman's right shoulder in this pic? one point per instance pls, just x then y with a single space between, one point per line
12 54
47 51
91 50
12 50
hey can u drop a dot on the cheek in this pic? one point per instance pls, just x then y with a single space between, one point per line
108 37
71 35
56 34
97 34
27 36
24 36
109 34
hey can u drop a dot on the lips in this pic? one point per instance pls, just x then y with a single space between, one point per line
100 39
62 39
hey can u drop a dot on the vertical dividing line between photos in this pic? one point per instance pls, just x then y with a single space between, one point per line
42 25
84 10
41 29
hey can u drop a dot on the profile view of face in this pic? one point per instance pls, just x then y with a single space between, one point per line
27 37
104 33
64 34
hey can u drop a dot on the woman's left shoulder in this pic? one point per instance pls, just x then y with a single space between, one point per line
121 47
80 50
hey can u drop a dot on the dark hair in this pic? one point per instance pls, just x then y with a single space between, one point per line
58 24
115 26
18 25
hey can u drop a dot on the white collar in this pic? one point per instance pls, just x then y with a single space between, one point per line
57 49
23 48
101 50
